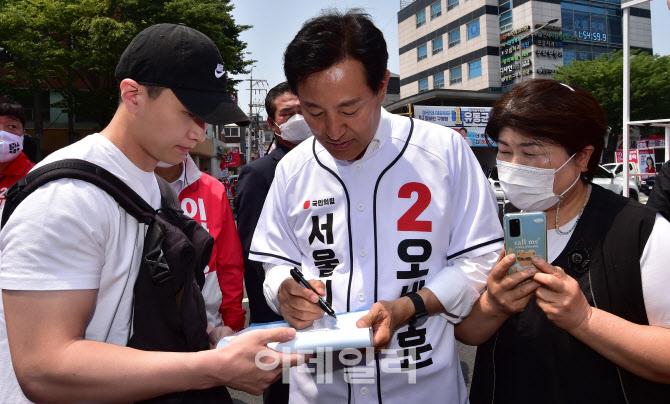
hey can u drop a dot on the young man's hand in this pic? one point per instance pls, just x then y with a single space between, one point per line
249 365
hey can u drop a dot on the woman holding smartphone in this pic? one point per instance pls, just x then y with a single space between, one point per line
592 326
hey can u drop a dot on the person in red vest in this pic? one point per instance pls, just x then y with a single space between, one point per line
205 199
14 164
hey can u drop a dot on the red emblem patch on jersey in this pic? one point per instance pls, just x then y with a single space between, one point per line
305 205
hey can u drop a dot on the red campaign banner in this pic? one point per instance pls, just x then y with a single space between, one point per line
632 156
231 159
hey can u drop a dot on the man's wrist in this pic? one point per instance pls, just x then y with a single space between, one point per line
403 310
208 371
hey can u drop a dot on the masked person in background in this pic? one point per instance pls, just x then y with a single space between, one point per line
592 326
205 199
14 164
286 121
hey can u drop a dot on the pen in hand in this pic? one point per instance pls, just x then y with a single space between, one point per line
297 275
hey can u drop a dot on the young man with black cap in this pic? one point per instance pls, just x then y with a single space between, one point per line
70 254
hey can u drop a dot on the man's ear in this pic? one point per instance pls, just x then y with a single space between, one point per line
273 126
385 83
130 91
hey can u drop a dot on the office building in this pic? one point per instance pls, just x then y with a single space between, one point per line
488 45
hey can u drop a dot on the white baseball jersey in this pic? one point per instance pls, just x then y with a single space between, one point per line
417 212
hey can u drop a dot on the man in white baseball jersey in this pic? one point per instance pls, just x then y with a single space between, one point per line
381 212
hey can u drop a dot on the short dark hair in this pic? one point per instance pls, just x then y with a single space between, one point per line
10 107
552 112
332 38
463 128
276 91
154 92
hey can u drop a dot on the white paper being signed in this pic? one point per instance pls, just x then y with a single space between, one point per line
326 332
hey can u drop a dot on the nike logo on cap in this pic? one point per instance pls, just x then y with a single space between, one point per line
219 71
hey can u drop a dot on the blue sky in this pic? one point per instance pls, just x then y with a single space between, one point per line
275 23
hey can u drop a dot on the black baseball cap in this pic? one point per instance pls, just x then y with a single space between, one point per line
187 62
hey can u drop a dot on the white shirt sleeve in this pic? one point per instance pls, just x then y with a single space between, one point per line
459 286
655 274
274 276
56 238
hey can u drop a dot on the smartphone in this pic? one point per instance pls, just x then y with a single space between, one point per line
526 237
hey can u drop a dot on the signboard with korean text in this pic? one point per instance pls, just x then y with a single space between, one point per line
473 119
632 156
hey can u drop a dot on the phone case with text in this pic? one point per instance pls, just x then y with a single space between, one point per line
526 237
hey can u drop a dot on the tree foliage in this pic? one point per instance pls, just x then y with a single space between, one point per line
603 77
68 45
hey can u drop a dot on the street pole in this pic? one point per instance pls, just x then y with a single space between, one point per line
626 99
253 126
247 136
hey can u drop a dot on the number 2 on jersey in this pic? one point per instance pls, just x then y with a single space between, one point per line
408 221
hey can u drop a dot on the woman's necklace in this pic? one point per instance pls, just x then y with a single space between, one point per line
558 208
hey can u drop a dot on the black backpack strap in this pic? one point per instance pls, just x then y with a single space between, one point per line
83 170
168 197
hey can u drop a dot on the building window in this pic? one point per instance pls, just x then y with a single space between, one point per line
423 85
455 75
475 69
451 4
506 21
420 18
437 45
422 52
231 132
455 37
435 10
504 5
505 28
473 29
505 15
438 80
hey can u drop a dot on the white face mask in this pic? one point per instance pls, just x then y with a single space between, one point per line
11 146
163 164
295 130
530 188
